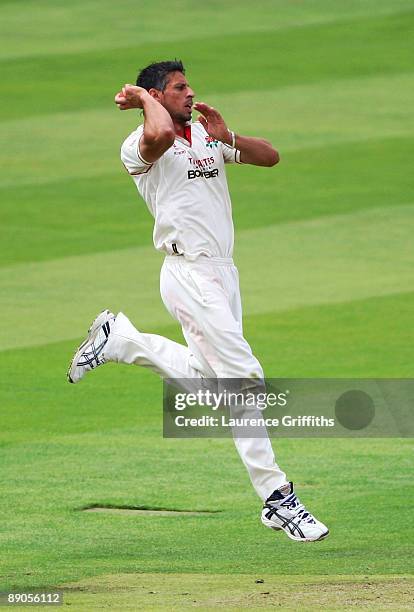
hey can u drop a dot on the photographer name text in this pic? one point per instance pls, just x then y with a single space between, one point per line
225 421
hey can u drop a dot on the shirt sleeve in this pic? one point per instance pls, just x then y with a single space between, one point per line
131 156
230 154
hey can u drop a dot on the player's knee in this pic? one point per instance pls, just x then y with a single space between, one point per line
252 370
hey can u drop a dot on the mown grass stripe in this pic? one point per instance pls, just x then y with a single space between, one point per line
86 215
64 145
325 260
309 55
52 28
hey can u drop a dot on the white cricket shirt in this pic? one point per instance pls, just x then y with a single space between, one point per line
186 192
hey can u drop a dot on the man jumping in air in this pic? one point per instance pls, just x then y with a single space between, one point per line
178 168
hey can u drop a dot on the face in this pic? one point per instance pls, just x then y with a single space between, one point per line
177 97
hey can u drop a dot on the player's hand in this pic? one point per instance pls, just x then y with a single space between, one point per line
213 122
130 96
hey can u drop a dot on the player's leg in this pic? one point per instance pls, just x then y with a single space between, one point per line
211 324
256 453
115 339
282 509
163 356
215 336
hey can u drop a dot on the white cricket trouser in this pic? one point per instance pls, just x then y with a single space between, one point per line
204 296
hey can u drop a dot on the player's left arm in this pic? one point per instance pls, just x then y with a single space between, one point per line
254 151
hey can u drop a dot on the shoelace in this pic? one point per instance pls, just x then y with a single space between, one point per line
292 503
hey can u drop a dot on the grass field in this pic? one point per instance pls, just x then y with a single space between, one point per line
324 249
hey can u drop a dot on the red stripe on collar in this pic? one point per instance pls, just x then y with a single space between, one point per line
187 133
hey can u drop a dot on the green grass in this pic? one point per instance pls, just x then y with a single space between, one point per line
324 248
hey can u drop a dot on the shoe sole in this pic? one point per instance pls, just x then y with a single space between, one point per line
92 333
295 538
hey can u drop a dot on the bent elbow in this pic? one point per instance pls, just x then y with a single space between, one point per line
165 138
161 138
274 158
168 136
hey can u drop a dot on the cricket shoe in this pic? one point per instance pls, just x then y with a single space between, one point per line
90 353
283 510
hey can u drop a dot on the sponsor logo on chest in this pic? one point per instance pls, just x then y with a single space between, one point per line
197 167
192 174
201 168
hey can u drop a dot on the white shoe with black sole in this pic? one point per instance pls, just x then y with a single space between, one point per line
283 511
90 353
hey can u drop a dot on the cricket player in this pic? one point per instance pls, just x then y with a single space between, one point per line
178 168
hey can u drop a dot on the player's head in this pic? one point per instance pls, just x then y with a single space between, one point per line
166 82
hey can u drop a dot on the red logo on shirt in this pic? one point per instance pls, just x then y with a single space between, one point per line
211 142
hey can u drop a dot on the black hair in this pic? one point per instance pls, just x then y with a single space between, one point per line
155 75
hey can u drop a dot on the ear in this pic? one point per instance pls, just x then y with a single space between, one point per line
155 93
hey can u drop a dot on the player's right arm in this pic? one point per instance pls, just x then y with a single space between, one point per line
159 133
